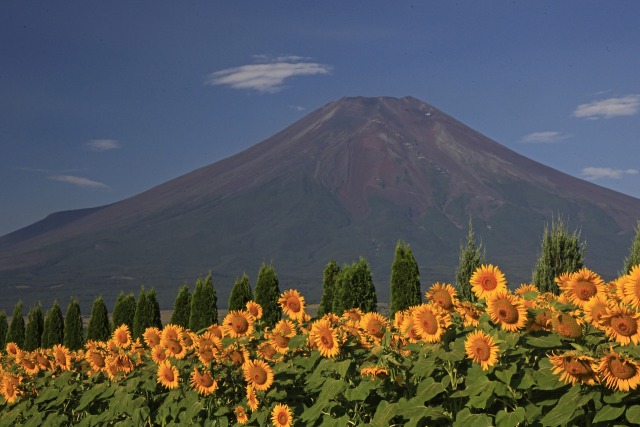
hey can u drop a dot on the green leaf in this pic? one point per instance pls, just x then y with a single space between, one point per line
465 418
545 378
608 413
614 398
567 406
505 375
90 396
510 419
341 368
361 392
545 341
384 413
424 367
633 414
428 389
480 394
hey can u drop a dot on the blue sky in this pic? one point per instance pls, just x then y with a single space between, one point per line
103 100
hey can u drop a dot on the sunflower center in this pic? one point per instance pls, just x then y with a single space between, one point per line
429 323
326 340
489 284
282 418
258 375
597 311
505 311
237 357
543 318
443 299
282 341
624 325
481 350
568 327
239 325
174 347
585 290
294 304
375 328
97 360
168 375
621 369
205 380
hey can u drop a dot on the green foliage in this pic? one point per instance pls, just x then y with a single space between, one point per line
73 328
147 313
35 327
561 252
634 253
204 305
405 280
240 293
98 328
53 332
124 311
267 293
329 277
4 327
182 307
471 258
16 331
354 288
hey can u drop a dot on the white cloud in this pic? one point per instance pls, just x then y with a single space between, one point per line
78 181
593 173
610 107
102 144
269 75
543 137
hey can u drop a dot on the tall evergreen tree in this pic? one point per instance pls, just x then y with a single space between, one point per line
634 253
329 276
154 309
98 328
204 305
53 332
182 307
73 328
240 293
267 293
354 288
405 280
16 328
147 313
561 252
35 327
4 327
124 311
471 258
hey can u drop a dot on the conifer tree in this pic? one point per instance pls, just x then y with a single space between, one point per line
634 253
329 276
405 280
153 306
53 332
240 293
73 328
355 288
471 258
182 307
204 305
4 327
147 313
124 311
267 293
98 328
561 252
35 327
16 328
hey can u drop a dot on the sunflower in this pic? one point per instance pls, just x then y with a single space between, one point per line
266 351
254 309
622 324
469 313
429 322
96 360
238 356
481 348
151 336
353 315
374 372
258 374
122 336
398 318
203 383
168 375
325 338
111 368
507 310
62 357
581 286
174 348
171 332
158 354
43 360
486 280
112 347
524 288
595 308
12 349
618 372
252 399
285 328
280 342
566 325
442 294
238 324
574 368
9 387
281 416
28 363
631 287
540 321
216 330
292 304
123 363
409 330
241 415
562 279
206 354
374 325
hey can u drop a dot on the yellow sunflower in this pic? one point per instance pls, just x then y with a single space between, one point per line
9 387
374 372
507 310
524 288
353 315
174 348
618 372
469 313
123 363
630 285
258 374
96 360
238 356
216 330
566 325
43 360
281 416
279 341
266 351
481 348
238 324
151 336
171 332
241 415
285 328
487 280
581 286
409 330
28 363
122 336
203 382
325 338
252 399
540 321
374 325
168 375
429 322
62 357
595 308
292 304
254 309
442 294
622 324
574 368
12 349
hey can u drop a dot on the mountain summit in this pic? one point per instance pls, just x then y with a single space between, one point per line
347 180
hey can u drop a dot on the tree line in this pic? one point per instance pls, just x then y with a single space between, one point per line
346 287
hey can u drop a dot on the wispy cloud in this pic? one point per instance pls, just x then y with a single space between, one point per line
608 108
544 137
267 76
102 145
593 173
78 181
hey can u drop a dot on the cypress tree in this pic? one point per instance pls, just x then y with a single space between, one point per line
634 253
124 311
267 293
182 307
471 258
4 327
35 327
153 306
561 252
98 328
240 293
143 316
204 305
405 280
73 329
329 276
16 328
53 332
355 288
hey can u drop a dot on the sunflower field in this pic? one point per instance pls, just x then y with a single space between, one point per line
517 357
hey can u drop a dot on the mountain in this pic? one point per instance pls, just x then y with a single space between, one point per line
347 180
